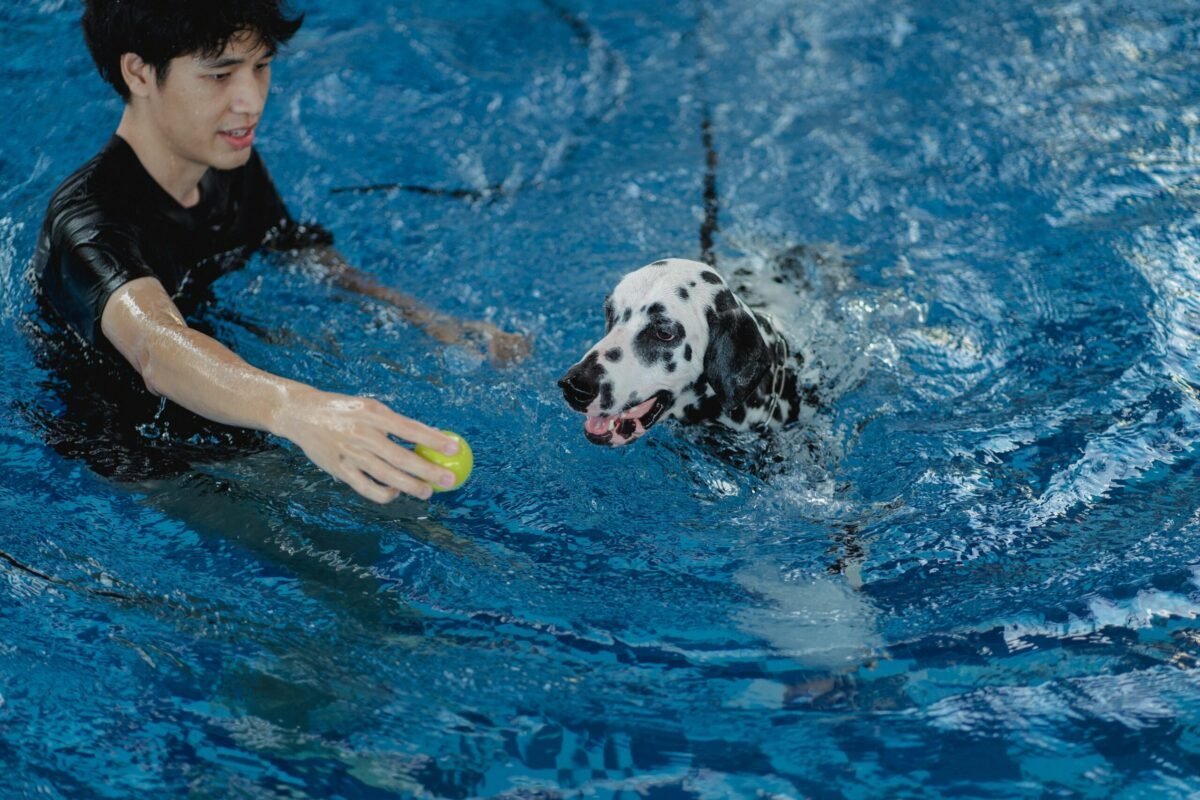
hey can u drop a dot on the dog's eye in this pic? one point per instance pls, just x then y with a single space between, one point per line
664 335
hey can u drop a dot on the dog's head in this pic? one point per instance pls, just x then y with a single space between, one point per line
678 343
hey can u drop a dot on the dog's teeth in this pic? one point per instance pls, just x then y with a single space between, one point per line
612 424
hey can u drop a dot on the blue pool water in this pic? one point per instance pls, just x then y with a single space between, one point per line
977 575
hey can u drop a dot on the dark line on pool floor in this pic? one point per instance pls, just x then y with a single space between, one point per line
433 191
576 23
28 570
710 196
712 200
584 32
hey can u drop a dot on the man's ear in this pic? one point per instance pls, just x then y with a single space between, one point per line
138 75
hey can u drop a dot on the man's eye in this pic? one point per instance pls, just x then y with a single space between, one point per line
263 66
219 76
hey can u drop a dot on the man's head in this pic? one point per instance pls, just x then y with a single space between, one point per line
194 73
159 31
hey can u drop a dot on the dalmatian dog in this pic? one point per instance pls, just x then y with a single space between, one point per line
679 343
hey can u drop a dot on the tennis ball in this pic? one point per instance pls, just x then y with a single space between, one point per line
460 463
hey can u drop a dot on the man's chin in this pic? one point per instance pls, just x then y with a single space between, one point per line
227 158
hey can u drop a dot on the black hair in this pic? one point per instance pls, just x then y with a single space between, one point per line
160 30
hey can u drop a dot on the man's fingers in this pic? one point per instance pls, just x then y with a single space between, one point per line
362 483
418 433
355 440
414 476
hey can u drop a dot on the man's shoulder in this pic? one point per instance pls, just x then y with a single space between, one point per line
87 191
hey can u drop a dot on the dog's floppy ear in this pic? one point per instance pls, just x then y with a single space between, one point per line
737 356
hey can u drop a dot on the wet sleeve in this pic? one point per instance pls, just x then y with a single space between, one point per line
90 258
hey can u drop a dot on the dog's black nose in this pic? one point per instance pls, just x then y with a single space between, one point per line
579 389
581 384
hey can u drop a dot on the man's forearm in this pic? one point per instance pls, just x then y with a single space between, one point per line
440 326
355 439
502 347
202 375
188 367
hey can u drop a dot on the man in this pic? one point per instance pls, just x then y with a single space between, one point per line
178 197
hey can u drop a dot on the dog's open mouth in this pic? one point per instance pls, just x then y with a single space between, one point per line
621 429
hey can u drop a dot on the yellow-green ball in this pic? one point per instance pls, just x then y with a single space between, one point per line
460 463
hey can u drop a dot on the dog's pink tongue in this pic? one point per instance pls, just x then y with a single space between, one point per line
621 432
597 426
640 410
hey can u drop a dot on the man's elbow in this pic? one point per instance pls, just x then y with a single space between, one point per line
142 323
147 367
158 352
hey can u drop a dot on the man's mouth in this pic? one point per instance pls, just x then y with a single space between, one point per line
621 429
239 138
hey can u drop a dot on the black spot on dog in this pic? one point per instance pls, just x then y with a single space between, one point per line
710 277
670 366
724 301
662 262
655 309
610 315
655 342
738 415
687 352
682 292
606 396
613 355
704 409
628 315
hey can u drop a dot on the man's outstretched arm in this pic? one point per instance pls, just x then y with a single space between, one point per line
502 347
348 437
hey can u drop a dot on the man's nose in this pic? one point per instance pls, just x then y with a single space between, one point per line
249 95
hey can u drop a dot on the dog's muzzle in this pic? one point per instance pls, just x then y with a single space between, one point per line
580 388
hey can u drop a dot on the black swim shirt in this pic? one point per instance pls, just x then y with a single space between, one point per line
110 223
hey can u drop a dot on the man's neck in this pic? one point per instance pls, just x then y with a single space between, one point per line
177 176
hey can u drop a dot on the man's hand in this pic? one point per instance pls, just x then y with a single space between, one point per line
502 347
350 438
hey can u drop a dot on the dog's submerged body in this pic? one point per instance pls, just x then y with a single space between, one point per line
679 343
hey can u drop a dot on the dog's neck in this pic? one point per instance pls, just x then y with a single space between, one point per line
780 373
778 399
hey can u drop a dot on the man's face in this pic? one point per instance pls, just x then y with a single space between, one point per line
207 109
